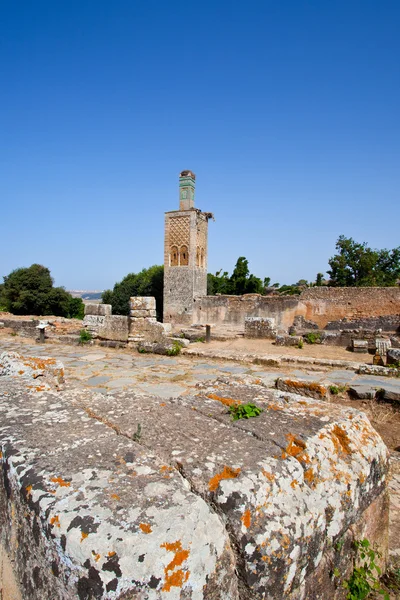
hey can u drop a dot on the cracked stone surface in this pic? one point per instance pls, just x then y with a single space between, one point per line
132 495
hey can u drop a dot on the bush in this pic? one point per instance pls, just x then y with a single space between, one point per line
84 336
175 350
30 291
313 338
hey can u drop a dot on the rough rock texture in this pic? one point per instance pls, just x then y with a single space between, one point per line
259 327
311 389
166 347
378 370
115 328
93 323
138 497
98 310
42 373
288 340
393 356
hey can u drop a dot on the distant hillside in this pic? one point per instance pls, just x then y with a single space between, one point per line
86 294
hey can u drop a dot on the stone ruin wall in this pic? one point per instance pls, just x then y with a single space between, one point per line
324 304
319 304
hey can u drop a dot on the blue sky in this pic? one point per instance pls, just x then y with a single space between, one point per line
288 112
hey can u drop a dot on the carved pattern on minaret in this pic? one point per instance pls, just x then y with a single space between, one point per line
179 230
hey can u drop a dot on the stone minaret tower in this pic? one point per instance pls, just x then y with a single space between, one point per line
185 254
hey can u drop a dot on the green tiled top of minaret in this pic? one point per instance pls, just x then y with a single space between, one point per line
187 183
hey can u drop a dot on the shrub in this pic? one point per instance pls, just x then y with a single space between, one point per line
84 336
30 291
175 350
365 577
313 338
300 344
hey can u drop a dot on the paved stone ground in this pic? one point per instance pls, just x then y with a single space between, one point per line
109 371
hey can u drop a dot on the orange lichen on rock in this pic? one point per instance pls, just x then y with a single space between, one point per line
55 521
296 448
28 490
309 475
179 577
61 481
145 527
115 497
225 401
84 536
305 385
111 554
96 556
269 476
341 440
39 363
226 473
246 518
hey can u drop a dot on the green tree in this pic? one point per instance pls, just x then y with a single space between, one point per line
356 264
319 279
244 282
30 291
149 282
240 282
219 283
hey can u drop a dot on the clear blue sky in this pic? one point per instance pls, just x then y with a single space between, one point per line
288 112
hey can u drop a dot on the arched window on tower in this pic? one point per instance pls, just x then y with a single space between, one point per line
173 256
183 256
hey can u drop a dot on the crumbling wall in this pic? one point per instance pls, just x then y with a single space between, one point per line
318 304
324 304
102 324
25 328
233 310
143 325
259 327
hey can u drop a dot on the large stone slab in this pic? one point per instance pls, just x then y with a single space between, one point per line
99 310
86 512
115 328
288 484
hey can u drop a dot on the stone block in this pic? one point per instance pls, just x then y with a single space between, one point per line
140 313
393 356
360 346
100 310
169 514
259 327
114 327
311 389
288 340
142 303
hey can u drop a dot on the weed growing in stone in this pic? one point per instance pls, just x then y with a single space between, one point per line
337 389
175 350
365 577
84 336
300 344
244 411
313 338
200 339
138 434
